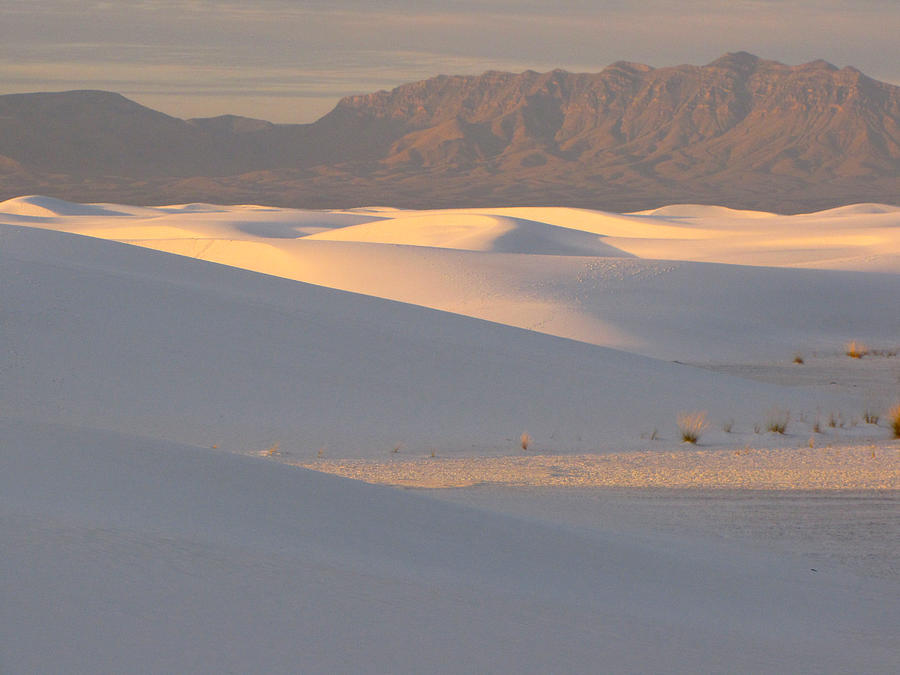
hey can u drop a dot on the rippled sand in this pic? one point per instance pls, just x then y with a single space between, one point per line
856 467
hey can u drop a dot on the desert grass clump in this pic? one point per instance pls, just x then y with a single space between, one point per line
798 358
894 419
856 349
525 440
778 420
692 425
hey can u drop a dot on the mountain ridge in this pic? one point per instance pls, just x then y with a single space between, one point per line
741 131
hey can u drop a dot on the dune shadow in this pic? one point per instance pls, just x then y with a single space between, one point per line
538 238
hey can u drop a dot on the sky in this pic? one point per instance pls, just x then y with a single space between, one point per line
291 61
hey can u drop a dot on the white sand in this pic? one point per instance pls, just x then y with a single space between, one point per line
853 467
632 282
134 539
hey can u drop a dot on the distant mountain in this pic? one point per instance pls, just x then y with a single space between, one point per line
740 131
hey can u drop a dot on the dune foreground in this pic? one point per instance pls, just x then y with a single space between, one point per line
157 412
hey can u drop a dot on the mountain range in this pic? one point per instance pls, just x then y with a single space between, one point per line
740 131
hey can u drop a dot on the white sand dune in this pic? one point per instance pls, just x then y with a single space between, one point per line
119 337
126 554
476 232
133 540
38 206
665 309
636 283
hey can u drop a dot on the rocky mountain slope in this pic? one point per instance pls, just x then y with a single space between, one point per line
740 131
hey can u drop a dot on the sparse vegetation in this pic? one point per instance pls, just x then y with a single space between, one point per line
856 349
692 425
798 358
396 448
870 417
525 440
654 435
272 450
778 420
886 353
894 419
727 426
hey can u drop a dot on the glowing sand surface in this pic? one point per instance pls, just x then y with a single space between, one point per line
851 467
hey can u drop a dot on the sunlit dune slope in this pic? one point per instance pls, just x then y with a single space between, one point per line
120 337
634 282
476 232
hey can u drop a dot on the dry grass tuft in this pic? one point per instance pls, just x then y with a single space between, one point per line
798 358
692 425
525 440
870 417
894 419
778 420
856 349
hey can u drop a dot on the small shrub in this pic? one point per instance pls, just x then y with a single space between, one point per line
817 427
894 419
798 358
870 417
396 448
692 425
856 349
727 426
525 440
778 420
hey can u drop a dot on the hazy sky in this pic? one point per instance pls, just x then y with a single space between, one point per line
290 61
